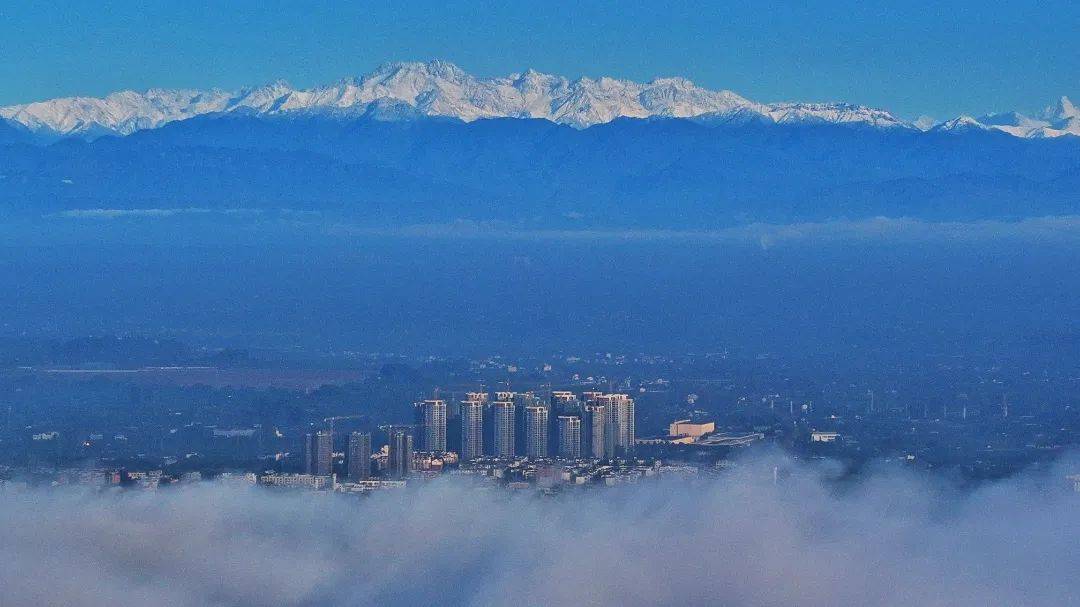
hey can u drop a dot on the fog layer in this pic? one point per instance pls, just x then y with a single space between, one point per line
890 539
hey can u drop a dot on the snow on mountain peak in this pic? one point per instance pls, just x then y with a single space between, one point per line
407 90
1058 120
1064 109
961 124
122 112
924 123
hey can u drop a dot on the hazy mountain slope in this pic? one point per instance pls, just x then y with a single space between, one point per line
110 174
13 132
534 173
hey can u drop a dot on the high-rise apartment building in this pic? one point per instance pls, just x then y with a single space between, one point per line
307 454
620 424
593 426
569 436
591 397
536 431
560 399
318 453
400 456
359 456
522 401
628 427
431 417
503 412
472 429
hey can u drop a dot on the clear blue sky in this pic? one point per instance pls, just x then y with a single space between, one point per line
939 58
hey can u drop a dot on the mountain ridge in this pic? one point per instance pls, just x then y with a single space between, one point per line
441 89
669 173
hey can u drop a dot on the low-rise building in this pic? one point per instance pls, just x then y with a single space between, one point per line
818 436
685 428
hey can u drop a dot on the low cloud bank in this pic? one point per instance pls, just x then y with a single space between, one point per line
900 229
1062 229
152 213
892 539
203 226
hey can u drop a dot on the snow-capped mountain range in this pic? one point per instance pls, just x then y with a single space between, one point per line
1060 119
438 88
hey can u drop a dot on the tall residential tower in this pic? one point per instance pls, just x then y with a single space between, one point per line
359 456
400 456
431 418
569 436
318 453
504 429
472 429
536 431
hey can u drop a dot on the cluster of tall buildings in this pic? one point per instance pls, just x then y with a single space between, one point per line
566 425
592 425
317 456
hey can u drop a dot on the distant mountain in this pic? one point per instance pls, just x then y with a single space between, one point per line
419 143
406 91
436 88
13 132
961 124
385 166
119 113
1064 118
1060 119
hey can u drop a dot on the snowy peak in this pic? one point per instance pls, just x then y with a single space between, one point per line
435 88
121 113
960 124
412 90
833 113
1013 123
1062 118
924 123
1064 109
404 91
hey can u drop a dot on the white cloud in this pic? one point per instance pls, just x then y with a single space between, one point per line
877 229
892 539
151 213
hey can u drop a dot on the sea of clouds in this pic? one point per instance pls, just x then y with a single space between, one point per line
891 538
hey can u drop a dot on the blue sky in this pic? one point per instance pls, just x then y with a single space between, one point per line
938 58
